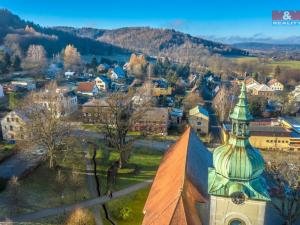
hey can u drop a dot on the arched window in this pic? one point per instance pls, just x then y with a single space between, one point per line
236 222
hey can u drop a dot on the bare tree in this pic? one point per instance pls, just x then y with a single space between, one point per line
14 195
192 100
76 181
72 59
117 118
35 60
45 127
60 184
224 101
284 182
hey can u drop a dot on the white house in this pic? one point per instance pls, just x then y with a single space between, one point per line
69 74
65 101
13 126
275 85
117 73
88 88
1 91
26 83
103 83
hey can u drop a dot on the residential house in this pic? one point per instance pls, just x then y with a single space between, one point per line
160 88
103 68
103 83
118 73
263 91
154 121
199 120
69 74
24 83
270 134
92 110
64 102
275 85
295 94
176 117
250 80
13 126
1 91
88 88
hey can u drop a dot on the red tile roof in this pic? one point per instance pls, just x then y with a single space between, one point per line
86 86
174 192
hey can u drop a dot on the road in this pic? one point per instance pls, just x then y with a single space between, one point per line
215 125
84 204
20 163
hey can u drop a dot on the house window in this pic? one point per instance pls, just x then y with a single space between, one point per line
7 119
11 128
198 123
22 136
12 119
21 128
17 120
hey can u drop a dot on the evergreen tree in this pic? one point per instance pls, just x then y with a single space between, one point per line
277 71
16 63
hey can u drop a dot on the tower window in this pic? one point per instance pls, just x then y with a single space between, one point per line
236 222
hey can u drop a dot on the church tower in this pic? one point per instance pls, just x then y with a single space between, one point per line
236 185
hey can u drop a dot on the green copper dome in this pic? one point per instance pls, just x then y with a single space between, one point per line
238 167
241 110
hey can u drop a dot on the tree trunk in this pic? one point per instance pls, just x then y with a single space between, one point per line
51 161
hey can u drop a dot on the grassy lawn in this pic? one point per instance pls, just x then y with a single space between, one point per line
6 150
134 202
292 64
41 189
141 166
90 127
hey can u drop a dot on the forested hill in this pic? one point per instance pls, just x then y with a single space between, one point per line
13 31
177 46
158 42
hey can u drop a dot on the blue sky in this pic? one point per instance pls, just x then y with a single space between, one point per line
198 17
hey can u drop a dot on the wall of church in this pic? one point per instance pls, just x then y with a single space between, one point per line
223 211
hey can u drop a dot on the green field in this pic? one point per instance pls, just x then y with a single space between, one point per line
292 64
141 166
134 202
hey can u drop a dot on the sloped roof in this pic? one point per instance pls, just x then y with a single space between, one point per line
180 182
250 80
273 81
198 109
86 86
263 87
118 70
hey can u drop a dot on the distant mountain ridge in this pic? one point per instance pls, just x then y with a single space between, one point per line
179 47
267 46
154 41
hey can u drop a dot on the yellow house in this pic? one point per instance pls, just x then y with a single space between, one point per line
276 137
157 91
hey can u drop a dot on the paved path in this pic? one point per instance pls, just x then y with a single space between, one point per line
84 204
92 185
20 163
159 145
